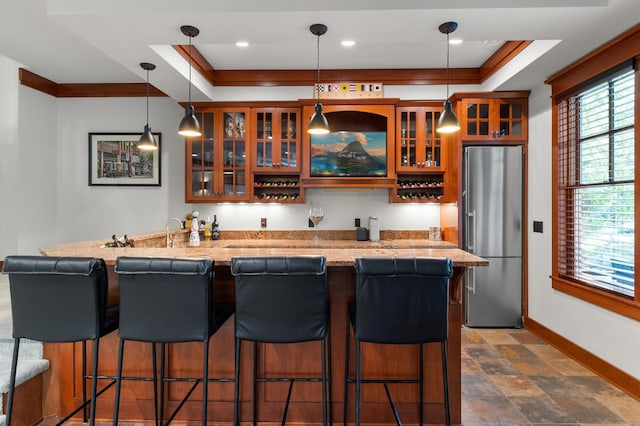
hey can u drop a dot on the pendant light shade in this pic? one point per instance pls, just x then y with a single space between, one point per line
189 126
147 141
448 122
318 125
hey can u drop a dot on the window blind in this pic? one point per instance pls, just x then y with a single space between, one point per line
596 185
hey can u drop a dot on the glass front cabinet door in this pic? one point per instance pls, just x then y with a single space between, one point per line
276 146
417 142
217 164
494 119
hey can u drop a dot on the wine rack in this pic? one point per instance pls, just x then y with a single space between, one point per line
419 188
277 188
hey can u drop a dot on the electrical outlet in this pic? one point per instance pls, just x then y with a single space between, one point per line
263 222
356 222
310 223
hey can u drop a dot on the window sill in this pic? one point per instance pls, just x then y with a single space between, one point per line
619 304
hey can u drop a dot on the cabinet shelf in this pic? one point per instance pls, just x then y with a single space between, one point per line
419 188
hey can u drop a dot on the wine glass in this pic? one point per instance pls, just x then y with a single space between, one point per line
316 215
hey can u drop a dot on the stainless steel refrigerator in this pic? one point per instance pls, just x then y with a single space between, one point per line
492 228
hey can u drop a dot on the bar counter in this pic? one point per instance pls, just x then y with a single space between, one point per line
62 383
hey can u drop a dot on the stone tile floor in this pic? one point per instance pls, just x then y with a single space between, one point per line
510 377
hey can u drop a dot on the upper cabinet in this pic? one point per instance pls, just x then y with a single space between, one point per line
276 143
217 163
418 145
493 116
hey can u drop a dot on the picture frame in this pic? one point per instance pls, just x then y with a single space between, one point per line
115 160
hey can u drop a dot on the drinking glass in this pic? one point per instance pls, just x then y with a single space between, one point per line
316 215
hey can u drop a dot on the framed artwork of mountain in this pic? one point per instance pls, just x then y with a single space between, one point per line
349 153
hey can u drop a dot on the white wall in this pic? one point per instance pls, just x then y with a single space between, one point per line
60 206
607 335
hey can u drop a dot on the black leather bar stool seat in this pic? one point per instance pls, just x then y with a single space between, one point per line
57 300
399 301
282 299
168 301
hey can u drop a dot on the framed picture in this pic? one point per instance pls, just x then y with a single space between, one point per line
114 159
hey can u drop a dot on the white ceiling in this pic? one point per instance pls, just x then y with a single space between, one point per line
101 41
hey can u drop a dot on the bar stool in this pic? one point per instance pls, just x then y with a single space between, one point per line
399 301
56 300
282 299
168 301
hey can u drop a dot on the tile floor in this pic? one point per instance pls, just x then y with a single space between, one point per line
509 377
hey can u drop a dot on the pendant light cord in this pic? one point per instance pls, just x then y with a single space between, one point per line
147 98
447 98
318 69
190 37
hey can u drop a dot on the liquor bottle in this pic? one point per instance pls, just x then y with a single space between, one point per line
215 228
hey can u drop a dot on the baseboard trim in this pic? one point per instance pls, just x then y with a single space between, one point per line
602 368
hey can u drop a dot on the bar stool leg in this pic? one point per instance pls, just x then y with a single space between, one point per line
358 382
12 380
84 381
323 350
445 379
255 375
329 376
94 380
116 400
236 397
154 355
163 347
205 382
421 384
346 373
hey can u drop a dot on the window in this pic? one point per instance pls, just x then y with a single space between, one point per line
595 187
594 240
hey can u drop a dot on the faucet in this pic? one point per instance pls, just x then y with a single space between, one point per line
169 239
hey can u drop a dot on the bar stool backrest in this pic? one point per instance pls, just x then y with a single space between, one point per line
57 299
165 300
402 300
281 299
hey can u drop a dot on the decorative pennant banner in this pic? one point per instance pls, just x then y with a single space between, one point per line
348 90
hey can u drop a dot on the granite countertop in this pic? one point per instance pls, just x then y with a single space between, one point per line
337 252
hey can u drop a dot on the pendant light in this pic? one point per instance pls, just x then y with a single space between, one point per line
448 122
147 142
318 125
189 126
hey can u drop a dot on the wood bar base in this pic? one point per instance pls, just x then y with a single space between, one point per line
397 361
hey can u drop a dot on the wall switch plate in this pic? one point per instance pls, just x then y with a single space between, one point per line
263 222
537 226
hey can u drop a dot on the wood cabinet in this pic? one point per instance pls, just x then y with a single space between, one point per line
276 142
495 116
217 163
422 169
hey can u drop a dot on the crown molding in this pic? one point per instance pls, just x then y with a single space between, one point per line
230 78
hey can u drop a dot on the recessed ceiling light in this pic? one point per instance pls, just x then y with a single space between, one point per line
348 43
242 43
455 41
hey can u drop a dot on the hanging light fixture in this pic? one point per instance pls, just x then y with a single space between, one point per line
448 122
189 126
318 125
147 141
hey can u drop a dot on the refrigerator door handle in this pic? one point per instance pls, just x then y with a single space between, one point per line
471 280
471 231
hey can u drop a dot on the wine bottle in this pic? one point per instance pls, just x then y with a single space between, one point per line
215 228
